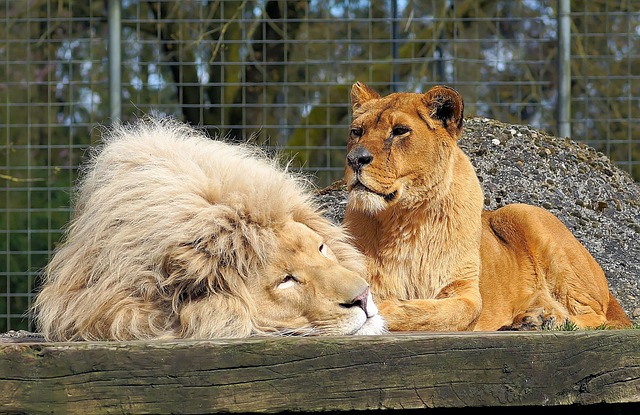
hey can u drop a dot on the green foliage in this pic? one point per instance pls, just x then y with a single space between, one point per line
571 326
567 326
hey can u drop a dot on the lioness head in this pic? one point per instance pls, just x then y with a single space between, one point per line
177 235
399 144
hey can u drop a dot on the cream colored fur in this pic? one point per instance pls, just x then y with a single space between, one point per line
176 235
436 260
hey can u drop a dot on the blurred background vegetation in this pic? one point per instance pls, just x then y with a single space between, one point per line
278 73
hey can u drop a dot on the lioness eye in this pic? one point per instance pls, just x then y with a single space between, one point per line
357 132
400 130
324 250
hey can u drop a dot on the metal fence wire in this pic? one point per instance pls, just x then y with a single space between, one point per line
279 73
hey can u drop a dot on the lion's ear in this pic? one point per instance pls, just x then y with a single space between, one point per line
361 93
446 106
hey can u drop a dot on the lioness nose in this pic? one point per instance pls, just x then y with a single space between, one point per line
359 156
359 301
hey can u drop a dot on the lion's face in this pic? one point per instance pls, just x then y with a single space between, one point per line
305 290
281 278
399 143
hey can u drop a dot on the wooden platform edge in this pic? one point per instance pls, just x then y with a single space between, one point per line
313 374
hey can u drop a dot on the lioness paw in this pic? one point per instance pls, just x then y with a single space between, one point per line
532 320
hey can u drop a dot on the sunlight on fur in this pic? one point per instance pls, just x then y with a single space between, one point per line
177 235
436 260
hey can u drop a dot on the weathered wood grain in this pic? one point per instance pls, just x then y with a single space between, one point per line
404 371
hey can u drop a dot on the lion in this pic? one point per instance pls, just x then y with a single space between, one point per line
436 260
177 235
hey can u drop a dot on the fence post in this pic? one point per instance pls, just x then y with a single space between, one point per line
394 45
115 57
564 68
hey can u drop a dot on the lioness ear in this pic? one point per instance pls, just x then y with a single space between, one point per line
361 93
445 105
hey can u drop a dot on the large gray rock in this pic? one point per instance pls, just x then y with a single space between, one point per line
596 200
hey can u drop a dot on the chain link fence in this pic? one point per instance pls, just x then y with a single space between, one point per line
278 73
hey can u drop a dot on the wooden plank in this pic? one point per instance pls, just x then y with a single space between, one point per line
398 371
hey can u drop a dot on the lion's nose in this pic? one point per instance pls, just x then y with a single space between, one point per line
358 157
359 301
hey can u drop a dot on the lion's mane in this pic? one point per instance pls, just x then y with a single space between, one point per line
163 215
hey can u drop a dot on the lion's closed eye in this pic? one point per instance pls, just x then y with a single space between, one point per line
288 281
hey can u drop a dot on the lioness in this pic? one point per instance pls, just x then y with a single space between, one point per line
176 235
436 260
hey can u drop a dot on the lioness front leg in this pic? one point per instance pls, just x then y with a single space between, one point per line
451 314
442 314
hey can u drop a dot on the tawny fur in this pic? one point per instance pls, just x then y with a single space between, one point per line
176 235
436 260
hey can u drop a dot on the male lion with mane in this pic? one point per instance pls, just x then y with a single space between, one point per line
436 260
176 235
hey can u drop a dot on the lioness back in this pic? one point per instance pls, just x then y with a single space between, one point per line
567 282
